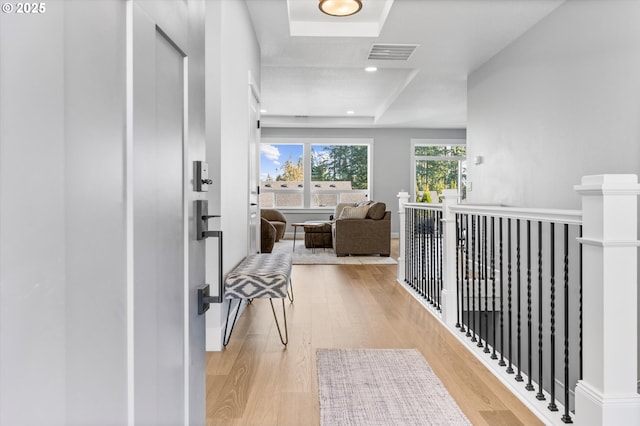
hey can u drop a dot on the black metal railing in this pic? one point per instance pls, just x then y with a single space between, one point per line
423 253
519 285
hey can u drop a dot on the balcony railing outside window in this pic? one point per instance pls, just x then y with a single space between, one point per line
274 194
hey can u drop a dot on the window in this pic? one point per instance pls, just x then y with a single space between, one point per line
281 175
314 174
339 173
438 167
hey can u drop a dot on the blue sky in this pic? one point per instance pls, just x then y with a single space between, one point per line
272 156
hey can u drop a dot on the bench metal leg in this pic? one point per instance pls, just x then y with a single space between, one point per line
290 291
284 314
225 338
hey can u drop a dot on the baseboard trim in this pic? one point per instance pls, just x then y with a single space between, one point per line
214 335
213 339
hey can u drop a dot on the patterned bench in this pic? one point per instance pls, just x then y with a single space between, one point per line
264 275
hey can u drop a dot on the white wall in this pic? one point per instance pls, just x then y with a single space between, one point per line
32 216
391 159
232 51
561 102
63 288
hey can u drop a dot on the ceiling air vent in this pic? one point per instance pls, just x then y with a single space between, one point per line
392 52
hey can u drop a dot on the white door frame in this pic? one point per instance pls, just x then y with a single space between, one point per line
253 236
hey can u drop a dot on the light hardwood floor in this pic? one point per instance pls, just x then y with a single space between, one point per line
256 381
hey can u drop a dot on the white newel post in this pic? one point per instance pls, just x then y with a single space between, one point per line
449 288
403 198
607 395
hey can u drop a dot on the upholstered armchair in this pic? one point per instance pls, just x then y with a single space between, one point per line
267 236
277 219
362 230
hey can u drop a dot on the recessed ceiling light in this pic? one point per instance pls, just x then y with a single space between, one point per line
371 69
351 112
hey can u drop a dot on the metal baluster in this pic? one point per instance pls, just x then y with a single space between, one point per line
409 237
466 272
440 260
580 306
423 253
540 394
429 249
432 257
486 285
566 418
493 287
480 278
409 234
418 255
413 258
464 275
529 385
473 277
501 363
458 248
518 307
509 316
436 264
432 253
428 260
423 256
416 258
552 341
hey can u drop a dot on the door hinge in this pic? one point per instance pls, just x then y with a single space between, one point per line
258 123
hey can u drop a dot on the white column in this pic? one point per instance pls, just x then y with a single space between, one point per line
449 288
607 394
403 198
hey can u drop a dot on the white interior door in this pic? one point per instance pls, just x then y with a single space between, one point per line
160 325
254 170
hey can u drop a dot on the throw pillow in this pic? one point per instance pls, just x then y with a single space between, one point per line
359 212
376 211
339 208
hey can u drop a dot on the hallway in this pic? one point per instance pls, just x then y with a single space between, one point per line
255 382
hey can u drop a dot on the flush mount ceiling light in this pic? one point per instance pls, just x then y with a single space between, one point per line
340 7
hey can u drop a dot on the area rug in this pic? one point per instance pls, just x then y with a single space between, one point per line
326 256
382 387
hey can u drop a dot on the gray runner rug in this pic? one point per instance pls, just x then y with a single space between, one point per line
382 387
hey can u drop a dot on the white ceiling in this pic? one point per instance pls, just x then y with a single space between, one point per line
313 65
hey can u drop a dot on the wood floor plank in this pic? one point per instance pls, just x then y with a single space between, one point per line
298 409
257 381
261 402
232 398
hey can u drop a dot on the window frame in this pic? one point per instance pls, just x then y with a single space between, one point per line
434 142
306 159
